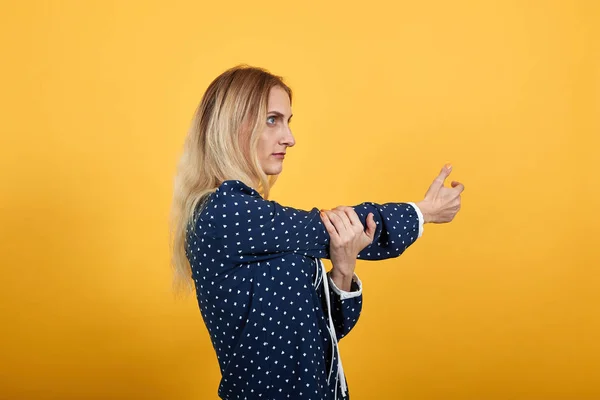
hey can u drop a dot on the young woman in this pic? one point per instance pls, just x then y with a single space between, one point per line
273 313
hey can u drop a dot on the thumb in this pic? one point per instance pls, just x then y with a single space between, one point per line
371 227
438 183
458 186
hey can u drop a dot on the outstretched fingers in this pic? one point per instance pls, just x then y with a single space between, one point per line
439 181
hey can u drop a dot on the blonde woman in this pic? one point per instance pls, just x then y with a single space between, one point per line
273 313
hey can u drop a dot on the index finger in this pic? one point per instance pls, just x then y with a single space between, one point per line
439 181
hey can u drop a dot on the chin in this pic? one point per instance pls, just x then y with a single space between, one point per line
273 170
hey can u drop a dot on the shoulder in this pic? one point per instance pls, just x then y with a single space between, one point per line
233 200
226 205
233 195
235 188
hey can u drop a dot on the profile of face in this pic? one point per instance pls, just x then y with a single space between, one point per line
277 136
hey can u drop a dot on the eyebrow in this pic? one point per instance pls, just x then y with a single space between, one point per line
280 114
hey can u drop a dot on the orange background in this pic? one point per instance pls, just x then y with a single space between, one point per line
504 303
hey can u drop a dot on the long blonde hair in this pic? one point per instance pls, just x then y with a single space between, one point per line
220 145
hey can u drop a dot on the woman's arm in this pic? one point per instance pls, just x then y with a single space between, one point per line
348 238
342 281
252 228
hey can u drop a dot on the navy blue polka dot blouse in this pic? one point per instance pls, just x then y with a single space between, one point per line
274 316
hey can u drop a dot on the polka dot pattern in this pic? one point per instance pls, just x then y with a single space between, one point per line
262 297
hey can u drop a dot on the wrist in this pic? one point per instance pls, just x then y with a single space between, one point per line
341 272
425 210
342 280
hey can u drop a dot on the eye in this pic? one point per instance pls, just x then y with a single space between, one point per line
271 120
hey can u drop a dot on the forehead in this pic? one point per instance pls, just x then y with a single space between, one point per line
279 100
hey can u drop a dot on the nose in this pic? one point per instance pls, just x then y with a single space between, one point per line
288 138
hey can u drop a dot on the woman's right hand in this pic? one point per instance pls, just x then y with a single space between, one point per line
347 238
347 233
441 203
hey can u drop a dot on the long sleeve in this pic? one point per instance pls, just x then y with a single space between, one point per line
345 306
257 229
273 314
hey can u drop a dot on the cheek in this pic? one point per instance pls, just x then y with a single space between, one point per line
266 143
261 146
263 151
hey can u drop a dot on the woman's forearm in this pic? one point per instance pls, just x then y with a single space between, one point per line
342 276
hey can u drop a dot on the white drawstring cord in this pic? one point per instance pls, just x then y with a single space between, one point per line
331 329
318 277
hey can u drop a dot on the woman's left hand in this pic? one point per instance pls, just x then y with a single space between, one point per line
347 238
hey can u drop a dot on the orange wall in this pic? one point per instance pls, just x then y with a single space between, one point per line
504 303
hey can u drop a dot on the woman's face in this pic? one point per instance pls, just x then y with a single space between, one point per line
277 136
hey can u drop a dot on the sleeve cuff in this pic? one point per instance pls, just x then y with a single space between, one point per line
342 293
421 219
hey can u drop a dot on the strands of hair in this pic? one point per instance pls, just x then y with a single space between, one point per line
220 145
